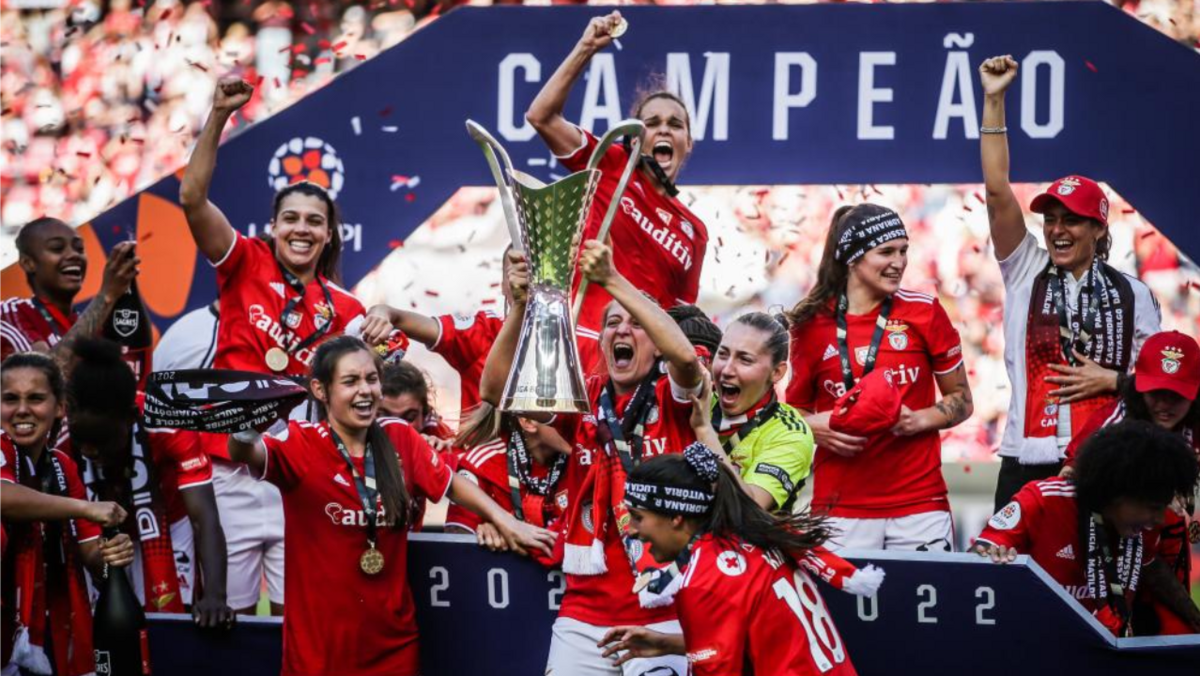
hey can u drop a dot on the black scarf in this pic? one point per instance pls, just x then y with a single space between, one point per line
520 474
626 434
219 401
1109 577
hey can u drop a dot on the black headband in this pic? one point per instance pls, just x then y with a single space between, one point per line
866 227
219 401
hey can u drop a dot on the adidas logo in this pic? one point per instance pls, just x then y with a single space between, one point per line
278 288
339 479
1067 552
830 353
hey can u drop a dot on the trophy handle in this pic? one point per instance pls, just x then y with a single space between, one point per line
633 128
491 147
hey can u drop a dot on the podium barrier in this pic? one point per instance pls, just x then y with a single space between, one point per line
485 613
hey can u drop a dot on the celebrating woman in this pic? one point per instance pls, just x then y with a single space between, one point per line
1072 323
639 414
278 302
745 603
883 491
659 243
52 530
347 537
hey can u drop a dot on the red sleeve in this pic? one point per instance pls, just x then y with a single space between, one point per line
183 451
8 460
464 340
579 159
287 454
238 261
715 648
1012 525
945 346
429 474
691 283
84 530
1090 426
801 391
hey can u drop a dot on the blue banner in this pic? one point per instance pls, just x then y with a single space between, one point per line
780 94
485 613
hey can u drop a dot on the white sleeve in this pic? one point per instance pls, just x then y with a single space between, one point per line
1147 316
683 394
1024 263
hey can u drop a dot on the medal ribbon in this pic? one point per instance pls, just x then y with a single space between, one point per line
1075 329
294 282
1107 578
59 325
843 333
364 485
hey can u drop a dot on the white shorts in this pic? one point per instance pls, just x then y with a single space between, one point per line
252 518
573 652
183 542
928 531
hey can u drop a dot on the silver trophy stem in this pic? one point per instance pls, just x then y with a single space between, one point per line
631 128
491 148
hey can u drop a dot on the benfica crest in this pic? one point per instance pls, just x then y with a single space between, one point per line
897 336
1170 362
1067 186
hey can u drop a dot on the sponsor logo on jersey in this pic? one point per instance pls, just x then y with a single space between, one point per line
562 500
652 416
277 287
586 508
341 516
860 354
293 319
339 479
322 313
701 655
731 563
306 159
1006 518
687 229
193 463
835 390
278 334
1172 357
897 334
1067 552
830 352
463 322
662 235
663 215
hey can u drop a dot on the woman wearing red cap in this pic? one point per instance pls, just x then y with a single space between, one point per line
658 243
1163 392
883 489
1072 323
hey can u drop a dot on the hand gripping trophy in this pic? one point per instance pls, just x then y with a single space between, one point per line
545 222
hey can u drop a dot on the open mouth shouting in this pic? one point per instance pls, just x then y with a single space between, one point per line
23 431
72 272
623 354
364 409
664 153
728 394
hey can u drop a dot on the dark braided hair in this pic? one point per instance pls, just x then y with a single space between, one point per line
1136 460
696 325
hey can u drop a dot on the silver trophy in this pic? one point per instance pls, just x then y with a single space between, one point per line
545 222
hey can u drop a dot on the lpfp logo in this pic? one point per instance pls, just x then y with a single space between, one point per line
307 159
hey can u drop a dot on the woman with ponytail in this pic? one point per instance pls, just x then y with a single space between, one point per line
51 530
737 574
883 488
348 484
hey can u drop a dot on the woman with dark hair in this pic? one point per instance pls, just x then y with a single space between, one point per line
347 537
658 243
640 412
162 477
767 441
1162 391
279 300
1072 323
51 530
1096 533
737 573
883 491
406 396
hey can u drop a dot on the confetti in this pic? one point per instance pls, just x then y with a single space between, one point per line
1128 210
202 67
431 293
980 197
83 154
966 469
307 28
356 125
386 111
488 301
1090 66
288 48
390 129
395 244
410 197
967 207
361 57
321 60
339 46
298 49
323 44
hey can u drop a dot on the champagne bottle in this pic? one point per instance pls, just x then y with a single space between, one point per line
129 326
119 634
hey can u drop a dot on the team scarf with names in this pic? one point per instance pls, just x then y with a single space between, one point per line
1110 576
1101 328
218 400
50 593
731 432
520 474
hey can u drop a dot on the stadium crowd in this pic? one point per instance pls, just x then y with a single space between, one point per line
703 424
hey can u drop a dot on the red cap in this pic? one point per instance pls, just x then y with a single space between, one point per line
1081 196
1169 361
870 407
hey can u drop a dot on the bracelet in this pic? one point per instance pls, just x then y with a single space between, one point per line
993 130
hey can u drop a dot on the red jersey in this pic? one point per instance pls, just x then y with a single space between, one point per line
894 476
1043 521
747 611
22 324
1111 415
251 286
464 342
325 534
608 599
486 466
181 463
658 243
18 470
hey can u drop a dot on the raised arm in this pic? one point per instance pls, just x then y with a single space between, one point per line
119 272
381 319
546 111
211 230
682 363
499 360
1004 212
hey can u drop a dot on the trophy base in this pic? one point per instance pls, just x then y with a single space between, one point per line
546 376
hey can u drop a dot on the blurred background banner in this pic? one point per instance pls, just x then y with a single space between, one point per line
779 95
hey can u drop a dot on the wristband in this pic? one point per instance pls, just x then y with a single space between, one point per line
993 130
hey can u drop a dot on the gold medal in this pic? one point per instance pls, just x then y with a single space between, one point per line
619 29
1194 532
277 359
371 561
